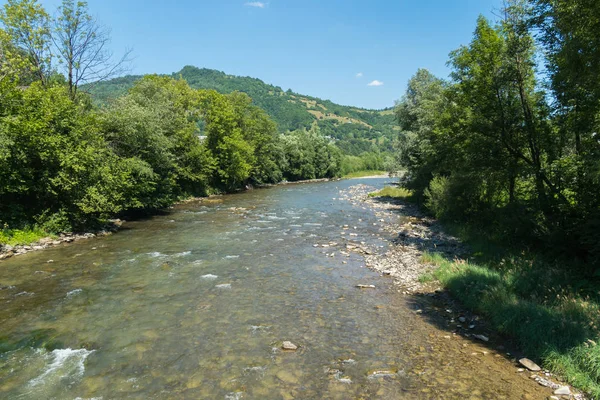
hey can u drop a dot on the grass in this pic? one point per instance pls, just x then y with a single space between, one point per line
426 278
551 310
362 174
394 193
14 237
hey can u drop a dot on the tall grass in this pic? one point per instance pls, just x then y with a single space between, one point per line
551 311
393 193
362 174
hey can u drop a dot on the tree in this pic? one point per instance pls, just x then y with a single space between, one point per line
417 114
82 45
27 28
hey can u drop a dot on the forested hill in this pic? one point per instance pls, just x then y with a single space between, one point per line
356 129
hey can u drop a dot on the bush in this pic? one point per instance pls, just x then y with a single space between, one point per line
55 222
437 196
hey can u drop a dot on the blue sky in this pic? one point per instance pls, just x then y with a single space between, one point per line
314 47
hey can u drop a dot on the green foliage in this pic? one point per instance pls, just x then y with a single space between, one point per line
488 148
308 155
27 235
27 28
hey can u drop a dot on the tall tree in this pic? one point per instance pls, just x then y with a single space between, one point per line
83 47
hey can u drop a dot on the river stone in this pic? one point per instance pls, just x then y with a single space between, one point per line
530 365
563 390
365 286
289 346
482 337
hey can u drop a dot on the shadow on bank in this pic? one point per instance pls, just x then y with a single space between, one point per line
546 309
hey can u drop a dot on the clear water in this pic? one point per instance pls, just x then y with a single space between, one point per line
196 304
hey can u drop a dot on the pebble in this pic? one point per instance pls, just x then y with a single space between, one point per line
365 286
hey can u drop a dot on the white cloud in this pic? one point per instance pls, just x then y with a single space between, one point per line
257 4
376 83
359 75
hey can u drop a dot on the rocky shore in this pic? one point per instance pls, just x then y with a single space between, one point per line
411 233
7 251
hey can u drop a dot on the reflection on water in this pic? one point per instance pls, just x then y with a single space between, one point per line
196 304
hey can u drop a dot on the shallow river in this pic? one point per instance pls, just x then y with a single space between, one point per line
196 304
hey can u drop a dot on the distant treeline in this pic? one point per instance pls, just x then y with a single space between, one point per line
511 142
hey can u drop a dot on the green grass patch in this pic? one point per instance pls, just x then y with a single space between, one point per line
426 278
362 174
551 311
394 193
14 237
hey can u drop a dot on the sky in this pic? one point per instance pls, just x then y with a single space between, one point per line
359 53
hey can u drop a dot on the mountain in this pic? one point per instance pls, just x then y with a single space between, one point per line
357 130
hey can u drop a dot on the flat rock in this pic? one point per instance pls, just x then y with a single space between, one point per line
365 286
563 390
530 365
289 346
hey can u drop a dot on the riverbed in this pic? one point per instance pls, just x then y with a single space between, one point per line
196 303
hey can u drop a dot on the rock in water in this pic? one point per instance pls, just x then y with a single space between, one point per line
365 286
289 346
530 365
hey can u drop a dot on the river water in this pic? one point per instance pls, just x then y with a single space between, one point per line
197 302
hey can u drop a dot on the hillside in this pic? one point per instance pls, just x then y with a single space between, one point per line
356 129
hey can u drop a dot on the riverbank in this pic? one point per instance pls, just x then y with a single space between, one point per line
366 174
43 240
429 264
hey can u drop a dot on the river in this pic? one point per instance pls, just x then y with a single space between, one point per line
197 302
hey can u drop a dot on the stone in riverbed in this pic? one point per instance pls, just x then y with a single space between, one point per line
365 286
563 390
289 346
482 338
530 365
